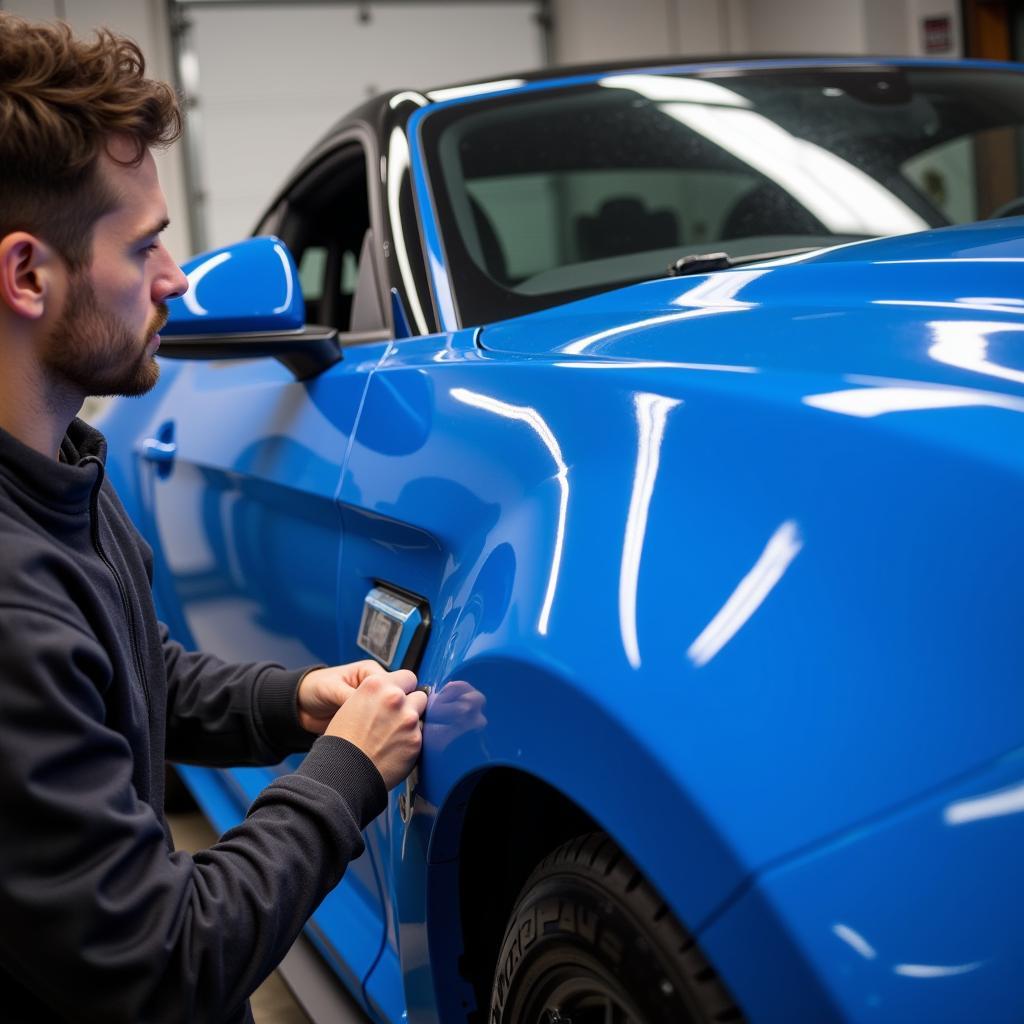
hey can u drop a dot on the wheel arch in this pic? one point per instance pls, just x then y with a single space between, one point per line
494 856
587 772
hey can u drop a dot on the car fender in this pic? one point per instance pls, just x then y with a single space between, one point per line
651 500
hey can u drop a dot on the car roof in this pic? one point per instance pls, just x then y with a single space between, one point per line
556 72
378 115
370 110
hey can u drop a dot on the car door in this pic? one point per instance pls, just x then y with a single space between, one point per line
240 470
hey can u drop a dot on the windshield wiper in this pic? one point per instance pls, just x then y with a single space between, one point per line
705 262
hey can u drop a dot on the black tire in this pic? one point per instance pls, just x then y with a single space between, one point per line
589 941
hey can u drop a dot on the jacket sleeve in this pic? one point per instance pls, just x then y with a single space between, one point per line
97 916
221 714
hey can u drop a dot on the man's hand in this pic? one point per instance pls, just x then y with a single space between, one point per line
324 690
382 718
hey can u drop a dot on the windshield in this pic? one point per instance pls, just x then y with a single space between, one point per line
549 195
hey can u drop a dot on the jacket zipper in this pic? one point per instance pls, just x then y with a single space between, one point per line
94 522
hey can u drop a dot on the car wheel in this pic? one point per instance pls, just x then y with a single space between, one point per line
590 942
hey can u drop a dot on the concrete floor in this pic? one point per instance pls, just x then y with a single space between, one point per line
272 1003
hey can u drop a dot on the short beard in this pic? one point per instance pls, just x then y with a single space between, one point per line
92 351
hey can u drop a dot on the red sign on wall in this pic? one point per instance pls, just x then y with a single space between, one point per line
938 34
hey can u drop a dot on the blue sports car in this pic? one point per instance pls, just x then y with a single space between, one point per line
665 420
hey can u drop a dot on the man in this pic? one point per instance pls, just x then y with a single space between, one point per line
99 919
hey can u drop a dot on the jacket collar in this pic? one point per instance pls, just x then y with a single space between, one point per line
66 485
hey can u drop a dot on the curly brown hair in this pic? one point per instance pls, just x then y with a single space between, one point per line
61 99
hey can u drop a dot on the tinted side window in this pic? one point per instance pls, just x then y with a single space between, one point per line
327 219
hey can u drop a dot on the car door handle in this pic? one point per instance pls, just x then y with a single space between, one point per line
159 451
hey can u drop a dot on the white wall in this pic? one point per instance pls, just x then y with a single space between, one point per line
596 30
303 65
145 22
799 26
274 78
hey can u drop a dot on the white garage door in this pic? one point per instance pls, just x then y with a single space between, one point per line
267 79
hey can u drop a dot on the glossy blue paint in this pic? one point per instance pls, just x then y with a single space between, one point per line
249 286
780 495
470 480
732 562
916 917
948 316
398 316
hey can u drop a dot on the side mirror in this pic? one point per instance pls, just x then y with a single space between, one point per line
244 302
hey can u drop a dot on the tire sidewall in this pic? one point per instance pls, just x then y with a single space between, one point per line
566 917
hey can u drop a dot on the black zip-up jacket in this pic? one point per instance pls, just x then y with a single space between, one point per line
100 920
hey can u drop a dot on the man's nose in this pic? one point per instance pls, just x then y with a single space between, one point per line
171 284
178 284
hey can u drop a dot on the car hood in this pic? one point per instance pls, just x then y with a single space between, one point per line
833 497
943 306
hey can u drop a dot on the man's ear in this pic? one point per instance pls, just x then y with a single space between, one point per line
31 274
